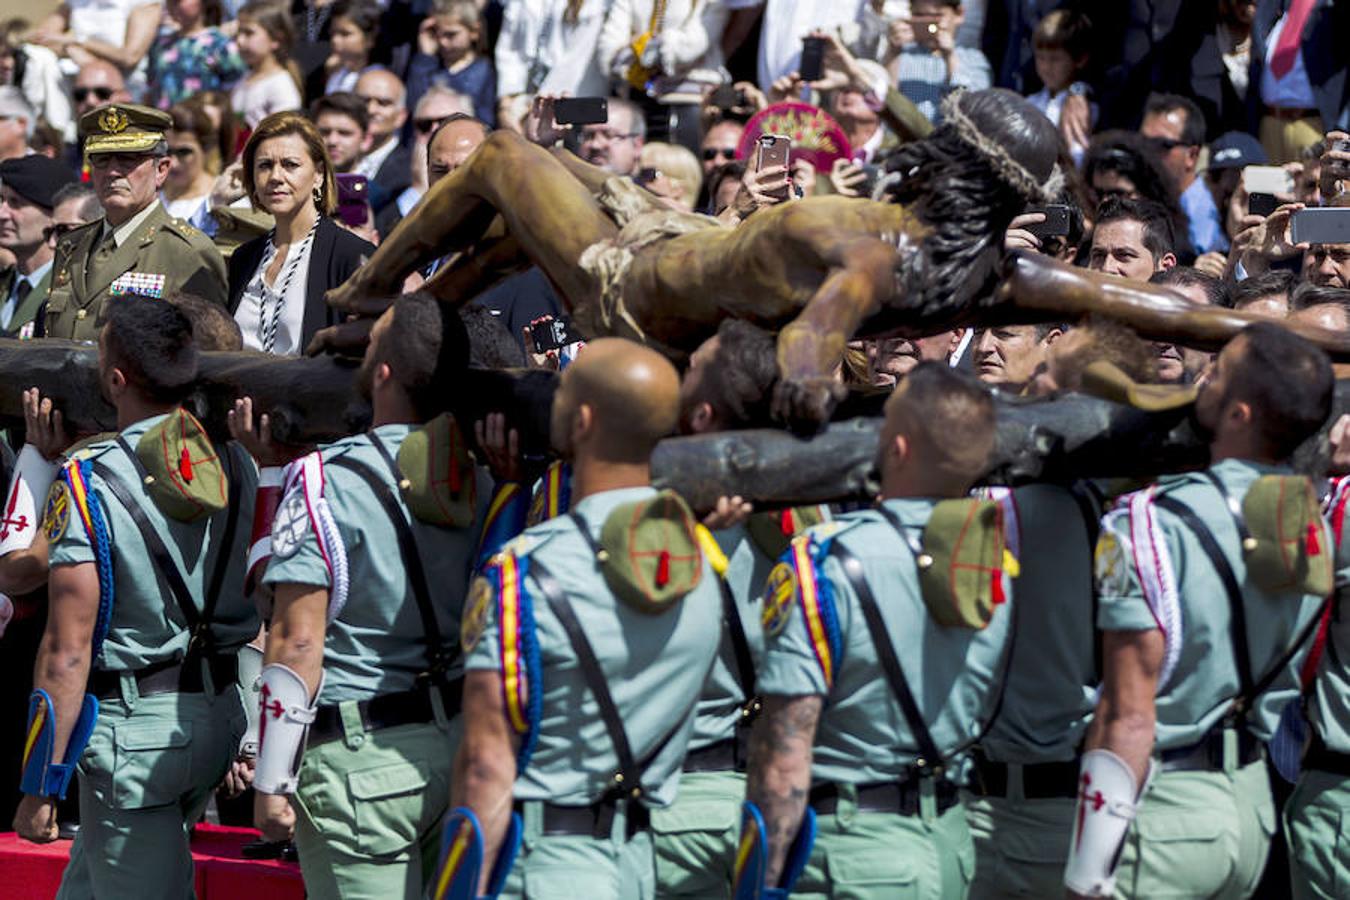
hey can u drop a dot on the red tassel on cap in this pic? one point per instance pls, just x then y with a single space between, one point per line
785 523
996 587
185 465
663 569
1312 542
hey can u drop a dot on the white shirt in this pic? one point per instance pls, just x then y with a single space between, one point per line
786 22
258 305
255 101
534 34
1294 90
369 164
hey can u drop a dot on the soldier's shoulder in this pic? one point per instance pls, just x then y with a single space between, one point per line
189 235
92 447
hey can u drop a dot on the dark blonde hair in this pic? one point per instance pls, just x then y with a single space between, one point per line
275 19
286 123
467 13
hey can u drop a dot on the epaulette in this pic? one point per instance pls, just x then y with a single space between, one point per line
92 446
185 231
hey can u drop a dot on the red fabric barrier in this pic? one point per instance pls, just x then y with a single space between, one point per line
33 871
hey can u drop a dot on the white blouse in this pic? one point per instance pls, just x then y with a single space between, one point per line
271 316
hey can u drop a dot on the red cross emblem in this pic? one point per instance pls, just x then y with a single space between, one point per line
1094 799
19 522
268 706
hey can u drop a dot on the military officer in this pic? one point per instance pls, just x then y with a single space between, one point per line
28 188
878 669
147 610
136 248
1209 587
589 639
361 669
1314 817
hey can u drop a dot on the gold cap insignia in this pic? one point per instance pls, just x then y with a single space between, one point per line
112 120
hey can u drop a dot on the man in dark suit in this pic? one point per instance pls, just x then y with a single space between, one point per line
1298 83
388 164
28 186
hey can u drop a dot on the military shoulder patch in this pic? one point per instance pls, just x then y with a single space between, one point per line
474 621
56 516
1110 567
291 525
779 591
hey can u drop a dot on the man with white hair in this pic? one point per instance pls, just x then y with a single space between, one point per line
16 124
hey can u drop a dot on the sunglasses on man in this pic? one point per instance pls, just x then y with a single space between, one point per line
81 94
57 231
711 153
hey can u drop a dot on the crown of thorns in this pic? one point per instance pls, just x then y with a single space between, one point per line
1009 169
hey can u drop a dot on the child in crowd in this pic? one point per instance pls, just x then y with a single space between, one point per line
458 61
925 60
1061 43
356 27
195 56
264 39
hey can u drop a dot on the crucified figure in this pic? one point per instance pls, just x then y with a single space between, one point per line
817 271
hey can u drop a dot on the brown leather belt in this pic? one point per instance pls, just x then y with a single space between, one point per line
1292 113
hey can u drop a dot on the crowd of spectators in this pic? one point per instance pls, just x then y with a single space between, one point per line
1159 110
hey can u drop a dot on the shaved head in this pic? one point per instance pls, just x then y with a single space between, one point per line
939 426
615 402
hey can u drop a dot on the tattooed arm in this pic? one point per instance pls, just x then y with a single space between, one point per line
780 770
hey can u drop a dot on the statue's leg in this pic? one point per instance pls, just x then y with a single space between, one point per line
550 213
469 274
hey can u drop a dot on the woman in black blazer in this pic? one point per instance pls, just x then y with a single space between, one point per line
277 282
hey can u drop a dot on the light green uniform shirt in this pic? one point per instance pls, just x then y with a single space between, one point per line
1205 681
377 644
147 625
656 665
719 709
1330 709
863 737
1051 684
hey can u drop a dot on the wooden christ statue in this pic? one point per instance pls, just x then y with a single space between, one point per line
817 271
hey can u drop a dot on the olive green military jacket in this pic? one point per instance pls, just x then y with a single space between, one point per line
162 257
26 311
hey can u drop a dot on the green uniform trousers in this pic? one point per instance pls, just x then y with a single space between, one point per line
568 867
369 809
1020 845
887 856
1317 821
1199 834
694 839
145 779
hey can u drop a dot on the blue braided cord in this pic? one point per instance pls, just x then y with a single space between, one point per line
102 547
534 673
829 614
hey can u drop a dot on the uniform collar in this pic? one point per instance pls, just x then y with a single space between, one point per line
912 510
133 432
122 233
601 504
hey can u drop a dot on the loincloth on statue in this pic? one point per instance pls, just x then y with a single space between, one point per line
641 223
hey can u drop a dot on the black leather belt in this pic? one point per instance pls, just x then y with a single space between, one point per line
387 711
170 677
719 757
594 821
1324 759
1206 754
900 797
1040 781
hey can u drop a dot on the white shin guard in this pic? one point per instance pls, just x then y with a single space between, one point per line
285 714
1108 799
22 513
